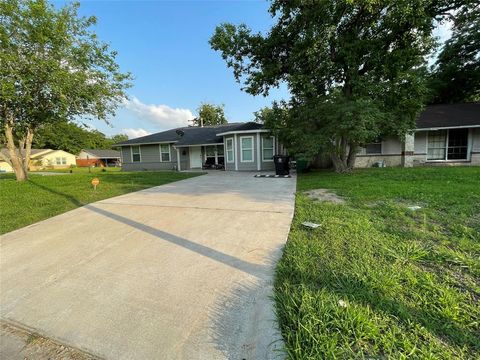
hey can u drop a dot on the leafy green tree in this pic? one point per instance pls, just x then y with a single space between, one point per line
73 138
456 74
355 69
210 115
53 68
119 138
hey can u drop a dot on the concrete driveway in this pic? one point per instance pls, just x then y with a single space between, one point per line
179 271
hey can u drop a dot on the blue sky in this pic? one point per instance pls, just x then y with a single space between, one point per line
164 44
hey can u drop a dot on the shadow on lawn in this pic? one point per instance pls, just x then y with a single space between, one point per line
356 290
70 198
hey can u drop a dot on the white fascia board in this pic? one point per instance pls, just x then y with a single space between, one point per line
148 143
179 146
447 128
243 132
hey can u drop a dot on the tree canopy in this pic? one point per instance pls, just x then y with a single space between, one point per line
71 137
210 115
456 74
355 70
54 68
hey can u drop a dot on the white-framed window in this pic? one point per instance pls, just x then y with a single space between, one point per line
58 161
64 161
246 149
373 148
136 156
165 152
449 144
268 148
229 149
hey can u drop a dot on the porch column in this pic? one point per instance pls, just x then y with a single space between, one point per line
235 151
178 160
408 150
259 153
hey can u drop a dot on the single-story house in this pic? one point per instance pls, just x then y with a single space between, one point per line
43 159
445 135
234 146
98 157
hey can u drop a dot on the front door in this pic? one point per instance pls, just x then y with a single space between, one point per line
195 157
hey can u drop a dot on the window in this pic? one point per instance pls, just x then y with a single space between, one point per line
457 144
64 161
58 161
165 153
246 148
448 144
136 154
437 142
230 153
373 148
267 148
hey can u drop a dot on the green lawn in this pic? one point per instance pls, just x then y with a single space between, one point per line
377 280
42 197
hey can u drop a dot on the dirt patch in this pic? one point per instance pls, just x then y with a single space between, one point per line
324 195
21 343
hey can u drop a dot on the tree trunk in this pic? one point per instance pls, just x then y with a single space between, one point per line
15 154
28 149
344 156
352 155
339 155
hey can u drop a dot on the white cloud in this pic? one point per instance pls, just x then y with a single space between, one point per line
135 133
162 116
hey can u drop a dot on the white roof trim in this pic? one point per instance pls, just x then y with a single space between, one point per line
448 127
147 143
178 146
242 132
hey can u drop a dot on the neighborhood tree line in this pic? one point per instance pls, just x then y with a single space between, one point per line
356 71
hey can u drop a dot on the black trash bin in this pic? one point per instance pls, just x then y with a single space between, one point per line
282 164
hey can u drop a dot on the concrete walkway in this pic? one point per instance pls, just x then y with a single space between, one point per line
179 271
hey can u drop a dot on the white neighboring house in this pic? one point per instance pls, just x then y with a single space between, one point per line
446 134
43 159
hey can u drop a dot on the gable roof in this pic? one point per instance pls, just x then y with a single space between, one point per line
103 154
192 135
35 153
449 115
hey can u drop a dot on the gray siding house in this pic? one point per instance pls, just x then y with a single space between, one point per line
445 135
236 147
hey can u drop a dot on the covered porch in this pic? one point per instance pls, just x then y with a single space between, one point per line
203 156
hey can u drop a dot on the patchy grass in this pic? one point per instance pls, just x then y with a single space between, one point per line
377 280
42 197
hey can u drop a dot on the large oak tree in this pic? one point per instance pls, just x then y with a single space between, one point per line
355 69
456 74
53 68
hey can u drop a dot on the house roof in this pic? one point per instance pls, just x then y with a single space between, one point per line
449 115
192 135
33 152
103 154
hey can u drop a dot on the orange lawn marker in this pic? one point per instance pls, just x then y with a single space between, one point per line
95 182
